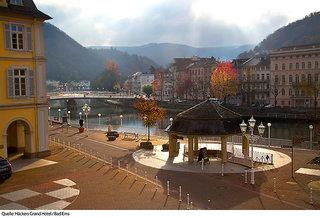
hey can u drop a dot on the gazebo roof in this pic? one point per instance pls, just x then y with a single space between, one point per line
208 118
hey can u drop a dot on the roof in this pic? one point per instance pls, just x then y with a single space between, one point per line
28 9
257 61
208 118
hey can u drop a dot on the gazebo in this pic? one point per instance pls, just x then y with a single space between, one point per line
205 119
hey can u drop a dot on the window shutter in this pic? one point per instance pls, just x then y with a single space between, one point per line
28 39
10 89
7 37
30 83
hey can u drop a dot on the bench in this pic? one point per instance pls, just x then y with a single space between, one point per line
130 136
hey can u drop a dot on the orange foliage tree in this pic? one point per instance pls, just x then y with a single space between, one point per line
150 112
224 80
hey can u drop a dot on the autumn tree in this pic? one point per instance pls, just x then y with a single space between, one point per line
184 88
150 112
109 79
147 90
224 80
311 89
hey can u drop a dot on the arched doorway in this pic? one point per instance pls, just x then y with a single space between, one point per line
18 138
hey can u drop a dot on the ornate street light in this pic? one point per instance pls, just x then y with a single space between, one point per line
80 115
86 110
261 128
310 136
121 117
171 120
69 116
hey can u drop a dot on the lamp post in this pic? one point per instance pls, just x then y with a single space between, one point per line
269 133
99 117
80 115
59 114
261 128
86 109
171 120
49 109
121 117
311 130
69 116
148 127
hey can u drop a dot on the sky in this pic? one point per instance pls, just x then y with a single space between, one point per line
199 23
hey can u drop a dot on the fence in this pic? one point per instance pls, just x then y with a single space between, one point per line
117 163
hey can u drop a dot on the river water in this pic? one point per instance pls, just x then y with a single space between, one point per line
131 122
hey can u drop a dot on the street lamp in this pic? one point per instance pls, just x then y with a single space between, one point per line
269 133
99 117
86 109
171 120
49 109
80 115
69 116
310 129
261 128
121 117
59 114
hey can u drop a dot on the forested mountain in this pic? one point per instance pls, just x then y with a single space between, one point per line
163 53
301 32
68 60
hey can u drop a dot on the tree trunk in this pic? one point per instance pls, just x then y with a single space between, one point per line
148 133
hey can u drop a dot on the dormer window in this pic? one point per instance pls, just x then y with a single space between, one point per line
16 2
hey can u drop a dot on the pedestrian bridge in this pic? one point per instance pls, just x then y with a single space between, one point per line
88 95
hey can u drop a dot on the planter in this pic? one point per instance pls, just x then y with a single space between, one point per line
81 130
165 147
112 138
146 145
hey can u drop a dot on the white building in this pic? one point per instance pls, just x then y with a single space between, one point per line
138 80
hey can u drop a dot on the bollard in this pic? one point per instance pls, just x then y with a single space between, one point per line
222 169
274 185
168 188
246 176
180 194
188 200
156 182
127 166
145 177
136 174
311 197
202 164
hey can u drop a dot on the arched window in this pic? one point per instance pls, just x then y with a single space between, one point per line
283 92
316 65
309 65
297 78
290 66
283 66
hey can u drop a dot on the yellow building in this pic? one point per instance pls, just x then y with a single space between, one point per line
23 100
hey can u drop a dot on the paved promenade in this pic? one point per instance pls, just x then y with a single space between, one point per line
104 188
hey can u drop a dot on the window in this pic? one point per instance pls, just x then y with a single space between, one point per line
283 92
309 65
283 66
258 77
16 2
20 83
316 77
276 79
262 76
303 77
290 66
290 78
297 78
303 65
309 78
18 37
290 92
268 76
19 77
296 92
276 67
297 65
283 79
316 65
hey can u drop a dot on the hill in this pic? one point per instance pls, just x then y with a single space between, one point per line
68 60
163 53
302 32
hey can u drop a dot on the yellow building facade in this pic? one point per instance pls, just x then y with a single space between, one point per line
23 98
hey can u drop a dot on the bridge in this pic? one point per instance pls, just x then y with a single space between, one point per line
89 95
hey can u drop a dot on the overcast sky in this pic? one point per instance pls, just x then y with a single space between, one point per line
193 22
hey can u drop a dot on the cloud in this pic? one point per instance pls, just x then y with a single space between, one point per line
192 22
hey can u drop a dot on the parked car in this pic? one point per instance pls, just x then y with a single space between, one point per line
5 169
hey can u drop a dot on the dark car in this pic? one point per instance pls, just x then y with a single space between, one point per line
5 169
112 135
